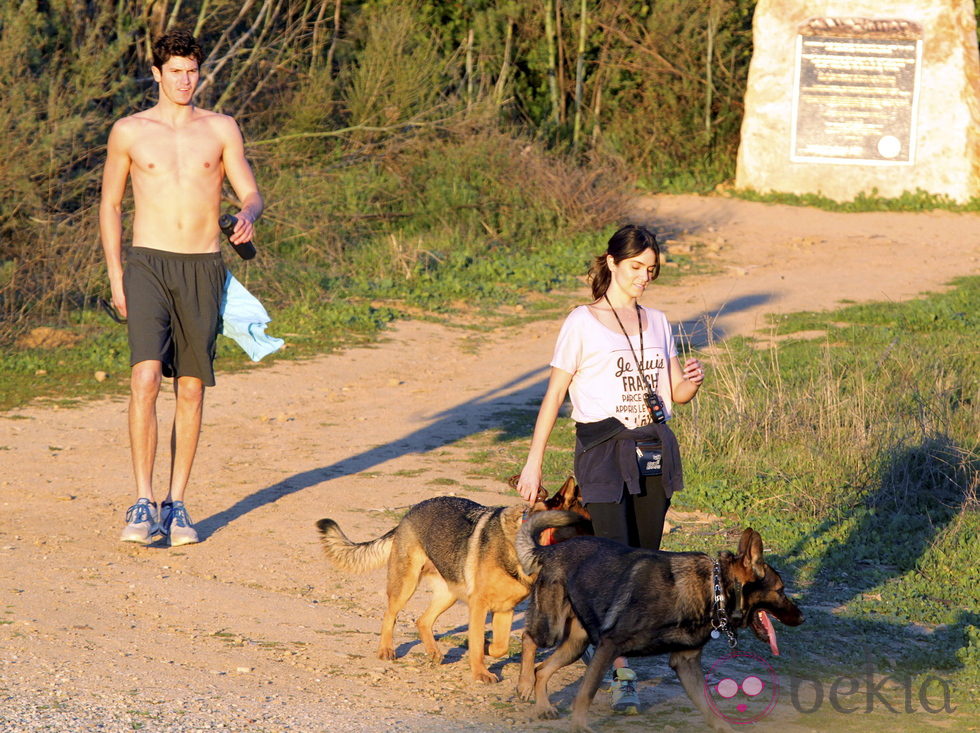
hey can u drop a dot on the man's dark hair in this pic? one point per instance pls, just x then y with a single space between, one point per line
176 43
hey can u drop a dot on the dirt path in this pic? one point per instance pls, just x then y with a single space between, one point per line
250 629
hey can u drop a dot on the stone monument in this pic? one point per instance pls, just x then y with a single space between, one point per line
848 96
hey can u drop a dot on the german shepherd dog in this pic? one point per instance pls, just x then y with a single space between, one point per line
467 551
630 602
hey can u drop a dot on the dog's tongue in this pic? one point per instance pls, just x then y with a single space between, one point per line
770 632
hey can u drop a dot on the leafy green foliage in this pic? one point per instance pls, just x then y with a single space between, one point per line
405 138
59 75
419 129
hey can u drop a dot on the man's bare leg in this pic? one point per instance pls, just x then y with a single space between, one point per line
144 389
184 437
142 518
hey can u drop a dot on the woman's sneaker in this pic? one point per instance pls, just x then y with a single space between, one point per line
624 697
142 523
176 522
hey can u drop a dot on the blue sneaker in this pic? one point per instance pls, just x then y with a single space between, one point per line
176 522
624 697
142 523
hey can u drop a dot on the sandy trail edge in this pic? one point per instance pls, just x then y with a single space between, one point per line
250 629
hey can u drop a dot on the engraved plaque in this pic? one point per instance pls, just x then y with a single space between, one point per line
856 91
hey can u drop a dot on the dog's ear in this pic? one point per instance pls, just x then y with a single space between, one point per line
750 553
568 493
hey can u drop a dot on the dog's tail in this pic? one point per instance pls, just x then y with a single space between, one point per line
356 557
528 538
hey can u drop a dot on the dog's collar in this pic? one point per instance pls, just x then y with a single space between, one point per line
719 617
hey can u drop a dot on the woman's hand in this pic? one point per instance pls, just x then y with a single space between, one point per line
694 371
529 482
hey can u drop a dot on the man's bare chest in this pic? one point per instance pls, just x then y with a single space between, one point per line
178 155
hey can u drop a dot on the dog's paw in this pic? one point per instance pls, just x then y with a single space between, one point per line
435 656
386 653
547 712
498 650
525 693
485 676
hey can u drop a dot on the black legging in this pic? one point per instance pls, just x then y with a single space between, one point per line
637 520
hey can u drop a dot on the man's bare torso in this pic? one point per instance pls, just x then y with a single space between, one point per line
177 175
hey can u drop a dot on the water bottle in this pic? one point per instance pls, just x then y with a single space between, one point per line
245 250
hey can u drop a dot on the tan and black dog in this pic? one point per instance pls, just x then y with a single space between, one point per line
630 602
468 552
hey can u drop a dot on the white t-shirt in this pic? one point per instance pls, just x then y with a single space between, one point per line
605 381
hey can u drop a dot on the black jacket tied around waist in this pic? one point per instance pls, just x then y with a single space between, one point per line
605 458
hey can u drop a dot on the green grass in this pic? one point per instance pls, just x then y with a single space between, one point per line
917 200
950 312
443 481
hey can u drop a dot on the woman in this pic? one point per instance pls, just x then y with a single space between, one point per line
617 361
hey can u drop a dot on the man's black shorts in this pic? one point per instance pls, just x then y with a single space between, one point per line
173 303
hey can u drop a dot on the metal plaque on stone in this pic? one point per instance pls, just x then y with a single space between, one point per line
855 92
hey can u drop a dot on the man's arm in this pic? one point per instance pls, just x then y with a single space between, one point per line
114 176
242 180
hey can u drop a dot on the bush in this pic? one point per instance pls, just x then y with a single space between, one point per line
60 83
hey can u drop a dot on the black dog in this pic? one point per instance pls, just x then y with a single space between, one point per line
630 602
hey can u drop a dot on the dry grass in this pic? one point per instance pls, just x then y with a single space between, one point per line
890 420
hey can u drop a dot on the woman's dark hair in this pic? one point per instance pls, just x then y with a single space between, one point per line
176 43
630 241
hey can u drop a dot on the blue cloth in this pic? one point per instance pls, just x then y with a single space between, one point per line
244 319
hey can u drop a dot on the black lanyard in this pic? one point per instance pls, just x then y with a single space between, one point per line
639 321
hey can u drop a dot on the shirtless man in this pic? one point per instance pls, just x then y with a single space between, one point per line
177 156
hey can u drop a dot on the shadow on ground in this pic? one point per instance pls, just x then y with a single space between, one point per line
854 637
467 418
